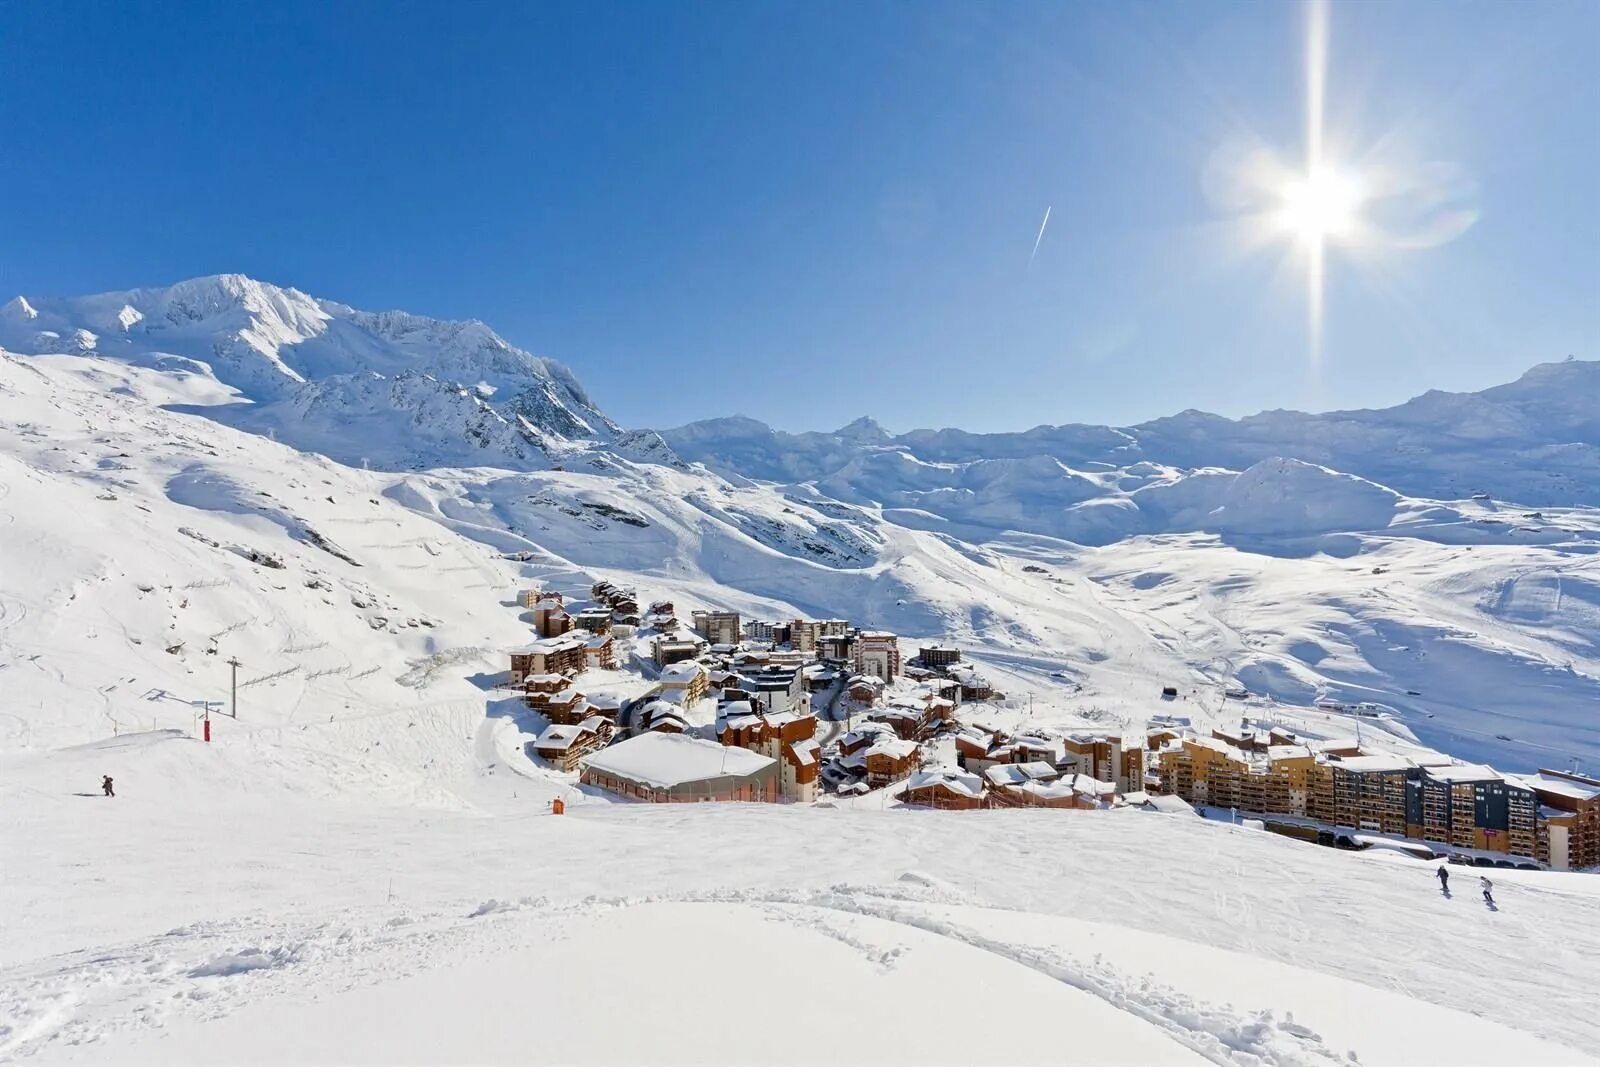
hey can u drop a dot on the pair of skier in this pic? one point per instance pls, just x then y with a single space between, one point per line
1483 884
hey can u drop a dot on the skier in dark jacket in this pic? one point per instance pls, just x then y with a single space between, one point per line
105 786
1444 879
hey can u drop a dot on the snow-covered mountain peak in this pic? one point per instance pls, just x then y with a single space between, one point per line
18 308
865 430
389 388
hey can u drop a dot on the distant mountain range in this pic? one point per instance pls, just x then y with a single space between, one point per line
1535 441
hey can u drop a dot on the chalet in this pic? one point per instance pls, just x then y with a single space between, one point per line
906 722
593 620
666 768
817 677
566 707
721 680
1155 738
600 652
550 618
1026 748
661 716
603 590
975 749
886 761
661 623
974 686
939 710
944 789
529 597
802 764
1076 791
563 746
544 683
1006 774
862 738
864 689
683 682
551 655
605 705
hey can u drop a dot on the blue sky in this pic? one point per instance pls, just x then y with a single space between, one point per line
808 212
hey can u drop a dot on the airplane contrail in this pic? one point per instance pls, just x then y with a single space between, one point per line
1039 238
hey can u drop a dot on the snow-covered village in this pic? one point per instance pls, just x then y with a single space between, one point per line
638 702
933 534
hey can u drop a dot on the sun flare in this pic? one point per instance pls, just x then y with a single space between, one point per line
1320 206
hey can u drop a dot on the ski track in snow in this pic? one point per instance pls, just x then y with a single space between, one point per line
207 970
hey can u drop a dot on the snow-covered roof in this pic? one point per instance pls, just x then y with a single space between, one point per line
806 752
893 748
667 760
1545 782
561 738
1462 772
1288 752
1017 773
956 781
1374 763
683 672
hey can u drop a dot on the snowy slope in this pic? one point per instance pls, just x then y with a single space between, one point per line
390 933
370 840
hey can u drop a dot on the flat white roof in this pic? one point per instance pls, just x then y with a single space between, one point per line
1566 787
1374 763
666 760
1463 772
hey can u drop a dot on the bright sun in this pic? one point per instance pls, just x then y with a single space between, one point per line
1320 206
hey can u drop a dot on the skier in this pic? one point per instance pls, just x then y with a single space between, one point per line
1444 880
1488 890
105 786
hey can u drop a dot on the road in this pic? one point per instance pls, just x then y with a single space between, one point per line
839 686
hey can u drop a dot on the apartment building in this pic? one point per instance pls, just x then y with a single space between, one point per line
718 627
876 653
